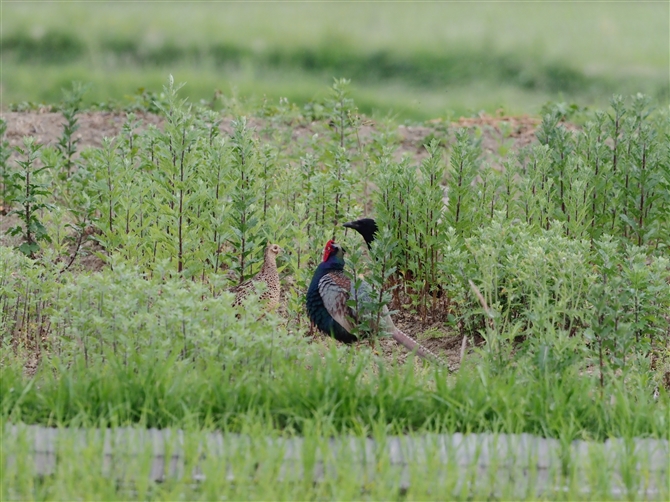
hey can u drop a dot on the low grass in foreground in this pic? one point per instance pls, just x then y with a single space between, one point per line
259 465
335 392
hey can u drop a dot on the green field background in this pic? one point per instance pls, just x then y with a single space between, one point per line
414 60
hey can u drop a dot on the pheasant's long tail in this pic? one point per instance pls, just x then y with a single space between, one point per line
412 345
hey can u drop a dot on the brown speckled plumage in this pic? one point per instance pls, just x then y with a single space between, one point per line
269 275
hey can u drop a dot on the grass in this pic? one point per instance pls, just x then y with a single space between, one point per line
395 101
341 394
422 61
599 26
559 263
254 467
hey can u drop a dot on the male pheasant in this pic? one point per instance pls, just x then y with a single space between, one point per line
367 227
327 298
269 275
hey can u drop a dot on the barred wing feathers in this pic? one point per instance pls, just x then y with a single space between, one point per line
334 289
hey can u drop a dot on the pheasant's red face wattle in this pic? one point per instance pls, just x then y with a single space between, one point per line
328 250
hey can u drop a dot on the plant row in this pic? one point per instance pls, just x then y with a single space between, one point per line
556 255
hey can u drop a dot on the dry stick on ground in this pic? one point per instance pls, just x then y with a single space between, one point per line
80 239
484 305
481 299
464 344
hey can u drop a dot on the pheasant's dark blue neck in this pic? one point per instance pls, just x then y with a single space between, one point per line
334 262
331 264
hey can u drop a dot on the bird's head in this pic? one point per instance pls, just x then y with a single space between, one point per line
367 227
273 249
332 249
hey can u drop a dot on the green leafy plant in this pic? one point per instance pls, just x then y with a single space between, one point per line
67 144
462 171
630 299
246 204
30 197
7 187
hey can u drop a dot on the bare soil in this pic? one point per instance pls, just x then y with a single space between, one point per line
47 127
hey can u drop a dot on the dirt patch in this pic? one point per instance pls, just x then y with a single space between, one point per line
85 254
7 222
496 132
47 127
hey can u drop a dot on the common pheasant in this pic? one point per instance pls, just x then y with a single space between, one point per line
269 275
327 308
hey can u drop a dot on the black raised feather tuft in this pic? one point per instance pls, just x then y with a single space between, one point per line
367 227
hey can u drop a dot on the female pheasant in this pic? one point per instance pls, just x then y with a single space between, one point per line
327 298
269 275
